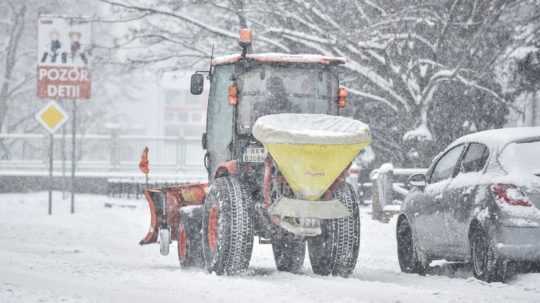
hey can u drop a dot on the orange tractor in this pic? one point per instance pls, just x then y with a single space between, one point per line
277 154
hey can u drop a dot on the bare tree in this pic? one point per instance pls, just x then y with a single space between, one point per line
12 54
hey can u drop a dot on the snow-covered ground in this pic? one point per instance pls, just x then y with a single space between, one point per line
93 256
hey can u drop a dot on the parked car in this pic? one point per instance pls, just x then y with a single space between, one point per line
479 202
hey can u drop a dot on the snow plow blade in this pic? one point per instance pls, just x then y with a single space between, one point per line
164 205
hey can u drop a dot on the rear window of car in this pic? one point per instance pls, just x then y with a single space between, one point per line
475 158
521 157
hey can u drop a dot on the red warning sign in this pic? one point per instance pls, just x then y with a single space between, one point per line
64 57
59 82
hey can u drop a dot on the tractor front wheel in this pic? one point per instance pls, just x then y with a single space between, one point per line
227 227
335 251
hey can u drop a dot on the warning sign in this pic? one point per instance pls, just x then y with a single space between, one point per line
52 116
55 82
63 58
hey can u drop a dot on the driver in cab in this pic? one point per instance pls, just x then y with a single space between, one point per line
276 100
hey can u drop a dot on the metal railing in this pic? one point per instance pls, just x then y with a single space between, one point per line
100 153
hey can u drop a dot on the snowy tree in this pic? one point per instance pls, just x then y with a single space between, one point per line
518 67
412 65
406 60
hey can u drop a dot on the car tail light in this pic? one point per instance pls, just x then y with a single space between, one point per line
510 194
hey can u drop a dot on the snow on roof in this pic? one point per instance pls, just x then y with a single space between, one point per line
495 139
420 133
281 58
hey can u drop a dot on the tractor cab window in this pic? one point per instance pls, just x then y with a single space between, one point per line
274 89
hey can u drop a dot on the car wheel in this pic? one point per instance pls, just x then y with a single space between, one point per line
406 249
486 264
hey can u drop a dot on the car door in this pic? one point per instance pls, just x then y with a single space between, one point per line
460 198
429 217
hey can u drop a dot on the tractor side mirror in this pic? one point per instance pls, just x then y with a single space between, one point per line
417 180
204 141
197 84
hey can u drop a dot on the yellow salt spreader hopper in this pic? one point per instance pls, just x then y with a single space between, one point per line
311 151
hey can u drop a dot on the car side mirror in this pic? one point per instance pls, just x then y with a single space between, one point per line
417 180
197 84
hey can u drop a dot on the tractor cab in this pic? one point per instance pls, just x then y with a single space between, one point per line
245 88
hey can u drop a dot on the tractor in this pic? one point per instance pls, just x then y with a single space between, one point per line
277 155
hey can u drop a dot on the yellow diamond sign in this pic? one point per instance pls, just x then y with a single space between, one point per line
52 116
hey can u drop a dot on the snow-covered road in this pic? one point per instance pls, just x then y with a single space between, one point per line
93 256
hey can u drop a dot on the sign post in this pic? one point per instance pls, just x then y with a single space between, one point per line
73 155
63 151
51 180
51 117
64 45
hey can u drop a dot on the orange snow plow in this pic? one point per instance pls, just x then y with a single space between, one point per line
164 204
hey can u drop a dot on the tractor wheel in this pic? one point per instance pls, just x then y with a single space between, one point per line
289 251
335 251
407 256
227 227
189 237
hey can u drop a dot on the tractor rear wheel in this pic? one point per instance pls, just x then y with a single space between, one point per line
227 227
289 251
335 251
189 237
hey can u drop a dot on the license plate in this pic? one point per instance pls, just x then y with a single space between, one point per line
254 154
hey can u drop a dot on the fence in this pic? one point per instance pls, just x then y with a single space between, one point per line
100 153
389 188
133 187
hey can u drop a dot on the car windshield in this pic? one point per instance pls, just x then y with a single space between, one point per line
522 157
273 89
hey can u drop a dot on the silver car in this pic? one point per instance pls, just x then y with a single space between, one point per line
479 202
